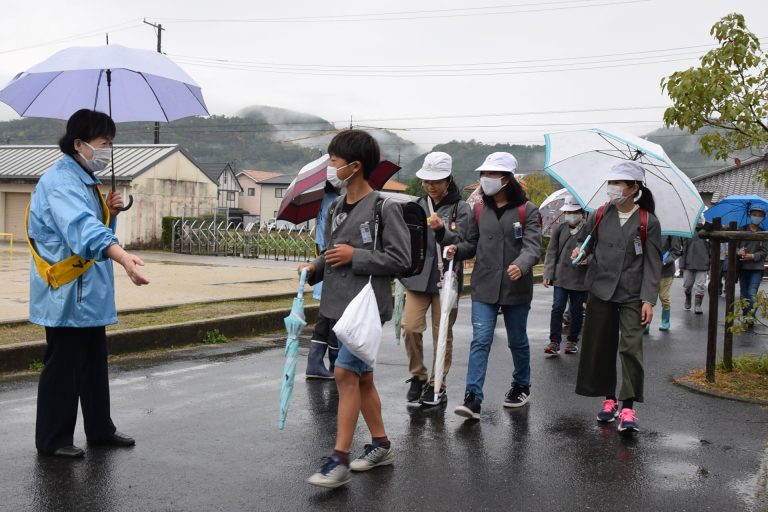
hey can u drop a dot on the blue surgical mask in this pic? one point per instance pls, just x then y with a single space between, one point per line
756 219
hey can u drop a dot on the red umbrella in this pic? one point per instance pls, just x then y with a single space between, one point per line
305 194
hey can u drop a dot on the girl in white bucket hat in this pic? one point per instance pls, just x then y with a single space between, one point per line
448 213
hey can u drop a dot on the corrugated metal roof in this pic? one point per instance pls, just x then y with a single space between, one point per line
30 162
743 179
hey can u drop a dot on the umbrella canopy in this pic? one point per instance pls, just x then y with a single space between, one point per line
305 193
145 86
294 323
736 208
449 295
551 216
580 161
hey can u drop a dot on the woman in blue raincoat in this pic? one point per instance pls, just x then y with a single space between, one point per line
71 231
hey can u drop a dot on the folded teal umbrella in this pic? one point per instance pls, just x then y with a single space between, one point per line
397 312
294 323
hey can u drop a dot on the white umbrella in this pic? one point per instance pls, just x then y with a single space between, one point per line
551 216
581 159
449 296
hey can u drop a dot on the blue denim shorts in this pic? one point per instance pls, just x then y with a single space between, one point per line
347 360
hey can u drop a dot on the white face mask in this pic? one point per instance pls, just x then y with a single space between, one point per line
333 178
100 160
615 194
490 186
572 218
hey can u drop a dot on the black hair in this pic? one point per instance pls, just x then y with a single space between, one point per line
86 125
515 193
646 201
356 146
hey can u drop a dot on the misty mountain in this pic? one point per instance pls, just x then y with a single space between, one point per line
275 139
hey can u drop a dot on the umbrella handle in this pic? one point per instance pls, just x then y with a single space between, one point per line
128 206
582 253
302 282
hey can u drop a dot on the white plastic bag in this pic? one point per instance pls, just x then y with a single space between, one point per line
359 327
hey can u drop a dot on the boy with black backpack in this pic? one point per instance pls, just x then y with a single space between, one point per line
366 240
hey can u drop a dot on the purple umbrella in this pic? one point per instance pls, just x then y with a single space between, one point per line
128 83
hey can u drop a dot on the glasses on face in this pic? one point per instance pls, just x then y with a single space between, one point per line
428 183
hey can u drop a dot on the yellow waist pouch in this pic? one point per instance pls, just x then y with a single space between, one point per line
67 270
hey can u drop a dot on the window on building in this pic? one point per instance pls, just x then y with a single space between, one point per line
251 192
280 192
230 196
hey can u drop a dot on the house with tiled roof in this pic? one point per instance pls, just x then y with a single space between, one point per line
230 189
254 192
742 178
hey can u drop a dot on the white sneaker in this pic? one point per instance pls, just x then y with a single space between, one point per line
331 475
373 456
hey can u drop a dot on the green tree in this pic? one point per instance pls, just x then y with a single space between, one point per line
414 187
538 186
728 92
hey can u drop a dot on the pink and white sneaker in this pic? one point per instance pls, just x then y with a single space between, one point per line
628 421
609 412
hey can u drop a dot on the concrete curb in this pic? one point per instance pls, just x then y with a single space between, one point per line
18 356
716 394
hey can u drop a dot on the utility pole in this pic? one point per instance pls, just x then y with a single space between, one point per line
159 30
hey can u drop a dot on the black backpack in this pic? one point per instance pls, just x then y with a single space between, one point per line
415 219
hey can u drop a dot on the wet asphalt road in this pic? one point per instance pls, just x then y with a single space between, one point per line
205 424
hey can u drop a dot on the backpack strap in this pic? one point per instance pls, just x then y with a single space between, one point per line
643 225
478 210
521 214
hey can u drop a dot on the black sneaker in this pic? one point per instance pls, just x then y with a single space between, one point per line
428 396
518 396
414 392
470 408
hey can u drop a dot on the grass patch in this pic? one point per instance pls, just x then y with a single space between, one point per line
173 315
741 382
35 365
214 337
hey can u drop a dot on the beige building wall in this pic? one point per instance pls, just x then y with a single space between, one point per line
251 204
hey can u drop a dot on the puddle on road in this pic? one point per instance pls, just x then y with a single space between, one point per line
673 475
754 490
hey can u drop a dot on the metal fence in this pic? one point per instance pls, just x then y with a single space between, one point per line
296 243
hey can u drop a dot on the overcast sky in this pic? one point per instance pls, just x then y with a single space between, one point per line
448 69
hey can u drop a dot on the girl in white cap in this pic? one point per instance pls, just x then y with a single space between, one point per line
624 270
568 279
448 213
505 236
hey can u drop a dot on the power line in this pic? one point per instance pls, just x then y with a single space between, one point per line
128 24
420 15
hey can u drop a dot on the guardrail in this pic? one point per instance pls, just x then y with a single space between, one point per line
249 241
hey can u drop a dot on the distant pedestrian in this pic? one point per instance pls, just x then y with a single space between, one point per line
752 255
567 279
671 250
449 214
505 238
694 263
623 282
71 229
357 253
323 338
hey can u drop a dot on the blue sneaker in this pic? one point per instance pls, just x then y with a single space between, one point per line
609 412
333 474
628 421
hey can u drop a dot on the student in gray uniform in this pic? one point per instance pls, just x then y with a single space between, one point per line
505 236
623 283
345 268
695 266
447 212
751 255
568 279
671 250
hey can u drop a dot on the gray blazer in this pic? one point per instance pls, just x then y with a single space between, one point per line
674 245
391 256
557 264
426 282
755 247
493 242
616 273
695 254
